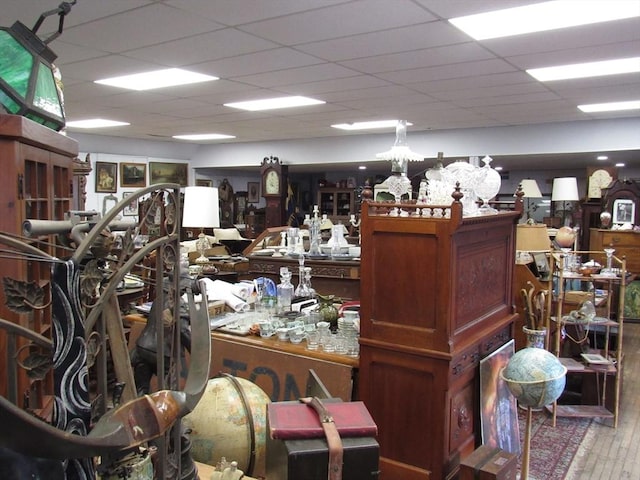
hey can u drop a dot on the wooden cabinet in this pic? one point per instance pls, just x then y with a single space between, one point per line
602 337
337 203
328 277
37 176
625 242
436 298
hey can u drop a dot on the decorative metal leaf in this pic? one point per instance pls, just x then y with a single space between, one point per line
37 365
102 246
169 258
128 246
170 212
91 278
93 347
22 297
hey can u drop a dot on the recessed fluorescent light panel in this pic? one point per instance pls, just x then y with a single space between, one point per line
619 165
156 79
274 103
610 107
368 125
203 136
95 123
544 16
602 157
584 70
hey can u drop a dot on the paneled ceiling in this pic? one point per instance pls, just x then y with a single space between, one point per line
368 59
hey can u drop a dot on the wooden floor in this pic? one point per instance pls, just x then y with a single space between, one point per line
607 453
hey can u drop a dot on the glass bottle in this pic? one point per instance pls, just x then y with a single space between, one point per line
301 290
307 280
314 233
284 290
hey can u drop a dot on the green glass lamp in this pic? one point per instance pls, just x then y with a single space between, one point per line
27 79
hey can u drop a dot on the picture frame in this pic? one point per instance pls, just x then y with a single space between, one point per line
624 211
253 192
240 207
133 175
203 182
498 407
132 208
161 172
106 177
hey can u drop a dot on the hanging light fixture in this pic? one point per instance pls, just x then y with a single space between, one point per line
28 85
400 155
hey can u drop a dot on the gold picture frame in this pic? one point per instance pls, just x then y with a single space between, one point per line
160 172
106 177
133 175
203 182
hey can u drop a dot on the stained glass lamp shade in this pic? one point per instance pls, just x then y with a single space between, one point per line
27 82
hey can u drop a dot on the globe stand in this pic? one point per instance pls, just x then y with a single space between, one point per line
536 378
524 471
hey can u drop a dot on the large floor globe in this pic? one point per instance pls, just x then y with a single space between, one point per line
535 377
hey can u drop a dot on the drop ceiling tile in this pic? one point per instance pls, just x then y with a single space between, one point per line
406 39
425 58
156 23
340 20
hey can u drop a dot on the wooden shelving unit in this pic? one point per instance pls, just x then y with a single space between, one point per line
337 203
609 322
38 169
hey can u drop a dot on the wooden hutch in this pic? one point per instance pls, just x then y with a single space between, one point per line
626 242
38 169
438 299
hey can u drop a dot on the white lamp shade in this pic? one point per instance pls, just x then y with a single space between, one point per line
565 189
201 209
530 188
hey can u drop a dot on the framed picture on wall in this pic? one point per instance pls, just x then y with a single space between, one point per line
160 172
133 175
240 206
106 177
203 182
253 192
132 208
624 210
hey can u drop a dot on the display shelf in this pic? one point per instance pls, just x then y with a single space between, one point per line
609 328
337 203
38 171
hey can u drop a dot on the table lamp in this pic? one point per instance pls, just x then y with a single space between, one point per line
531 238
565 189
201 210
530 189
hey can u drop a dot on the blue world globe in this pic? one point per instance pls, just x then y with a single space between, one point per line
535 377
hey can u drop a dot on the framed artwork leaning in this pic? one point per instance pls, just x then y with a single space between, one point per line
106 177
498 408
133 175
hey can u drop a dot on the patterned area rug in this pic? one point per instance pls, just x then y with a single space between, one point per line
552 448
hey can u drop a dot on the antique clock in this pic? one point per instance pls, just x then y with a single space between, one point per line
599 178
274 190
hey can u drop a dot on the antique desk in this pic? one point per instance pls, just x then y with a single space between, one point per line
281 368
423 334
